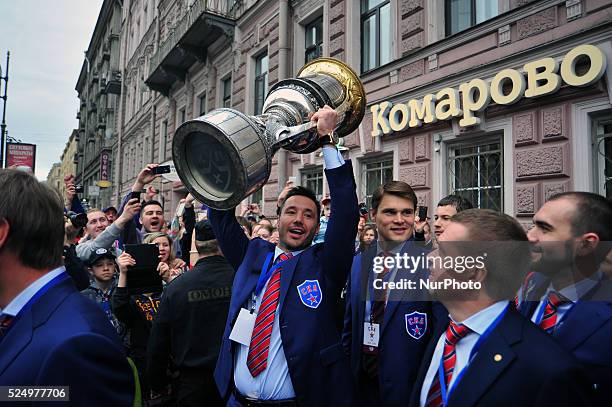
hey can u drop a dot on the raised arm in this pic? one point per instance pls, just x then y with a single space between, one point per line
229 233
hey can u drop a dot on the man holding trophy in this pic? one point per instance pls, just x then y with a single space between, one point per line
281 346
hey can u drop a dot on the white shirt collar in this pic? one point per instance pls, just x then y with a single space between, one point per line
23 297
578 290
278 251
480 321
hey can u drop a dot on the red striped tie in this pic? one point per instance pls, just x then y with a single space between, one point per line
5 323
454 333
549 320
257 359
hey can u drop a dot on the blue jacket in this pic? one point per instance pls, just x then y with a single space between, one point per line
399 349
585 330
318 366
64 339
517 365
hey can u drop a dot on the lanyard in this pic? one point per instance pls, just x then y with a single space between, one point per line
483 337
56 280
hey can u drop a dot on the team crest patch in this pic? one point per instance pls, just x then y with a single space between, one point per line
416 324
310 293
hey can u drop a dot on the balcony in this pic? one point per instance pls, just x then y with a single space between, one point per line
113 83
201 25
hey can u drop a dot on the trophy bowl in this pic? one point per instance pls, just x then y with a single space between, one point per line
224 156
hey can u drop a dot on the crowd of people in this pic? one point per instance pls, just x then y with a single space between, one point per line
304 308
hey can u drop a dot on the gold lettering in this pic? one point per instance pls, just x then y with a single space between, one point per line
472 104
449 107
399 109
596 70
379 118
542 77
424 112
497 87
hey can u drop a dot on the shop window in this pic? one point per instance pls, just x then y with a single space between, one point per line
475 171
375 173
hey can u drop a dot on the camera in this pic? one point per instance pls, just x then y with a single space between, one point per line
78 189
78 220
363 209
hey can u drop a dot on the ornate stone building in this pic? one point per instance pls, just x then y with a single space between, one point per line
194 56
98 87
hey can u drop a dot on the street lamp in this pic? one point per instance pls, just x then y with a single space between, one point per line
3 125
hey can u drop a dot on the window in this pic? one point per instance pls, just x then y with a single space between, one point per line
181 117
603 158
462 14
376 173
313 180
375 33
163 140
261 82
202 104
314 40
476 173
226 85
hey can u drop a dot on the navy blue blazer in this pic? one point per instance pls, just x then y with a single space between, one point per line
318 367
400 347
585 330
64 339
533 370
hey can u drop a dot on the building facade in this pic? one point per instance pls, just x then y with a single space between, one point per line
54 178
98 87
503 101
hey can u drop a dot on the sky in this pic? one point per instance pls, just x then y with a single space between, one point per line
47 39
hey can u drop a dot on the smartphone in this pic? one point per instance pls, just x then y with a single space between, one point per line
292 179
78 189
135 195
161 169
422 212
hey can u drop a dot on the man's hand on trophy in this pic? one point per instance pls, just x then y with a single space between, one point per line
326 119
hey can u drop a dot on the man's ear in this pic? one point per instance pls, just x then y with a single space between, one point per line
5 228
588 244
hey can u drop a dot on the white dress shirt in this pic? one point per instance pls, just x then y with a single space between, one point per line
478 323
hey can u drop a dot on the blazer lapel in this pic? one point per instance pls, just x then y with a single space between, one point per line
589 316
493 357
17 338
288 268
424 367
247 286
393 299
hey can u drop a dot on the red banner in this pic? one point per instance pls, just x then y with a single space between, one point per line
104 165
21 154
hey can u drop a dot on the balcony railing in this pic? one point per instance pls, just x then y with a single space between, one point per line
229 9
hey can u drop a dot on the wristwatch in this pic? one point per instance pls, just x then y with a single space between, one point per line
331 138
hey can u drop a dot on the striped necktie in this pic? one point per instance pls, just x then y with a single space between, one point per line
5 323
257 359
454 333
549 320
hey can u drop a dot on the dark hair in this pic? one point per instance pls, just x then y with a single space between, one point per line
505 243
36 233
301 191
362 245
592 214
207 247
396 188
149 203
456 201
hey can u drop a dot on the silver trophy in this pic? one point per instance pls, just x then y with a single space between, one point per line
224 156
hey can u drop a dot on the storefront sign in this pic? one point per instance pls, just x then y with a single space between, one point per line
21 155
104 165
538 78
